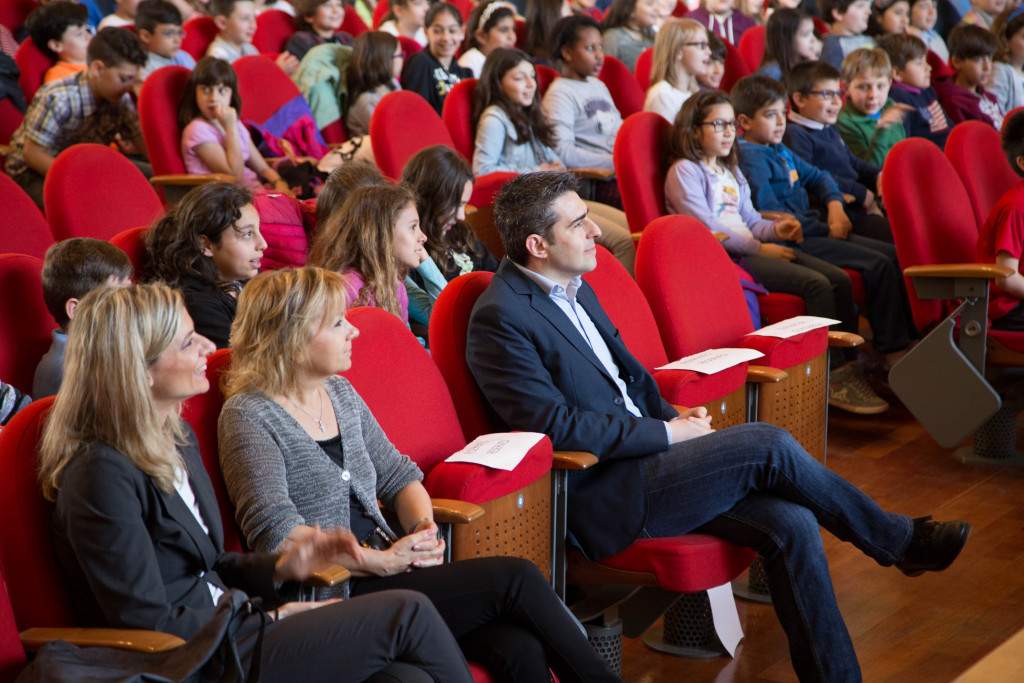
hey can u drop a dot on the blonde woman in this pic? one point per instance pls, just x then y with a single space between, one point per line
682 53
300 450
374 240
136 526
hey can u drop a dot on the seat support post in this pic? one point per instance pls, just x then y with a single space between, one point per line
560 516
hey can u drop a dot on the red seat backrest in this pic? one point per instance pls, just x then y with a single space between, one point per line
14 12
380 10
27 231
751 46
273 29
36 584
130 241
12 654
487 187
403 124
735 67
681 9
627 308
639 157
642 68
353 24
83 203
691 285
457 115
976 152
932 227
545 77
32 63
200 31
263 87
626 92
409 46
25 323
202 412
402 387
10 119
158 116
449 322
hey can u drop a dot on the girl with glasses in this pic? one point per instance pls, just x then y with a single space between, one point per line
682 54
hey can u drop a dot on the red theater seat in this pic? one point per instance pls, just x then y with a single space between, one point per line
25 323
457 115
131 242
32 65
626 92
200 31
403 124
273 29
975 151
27 231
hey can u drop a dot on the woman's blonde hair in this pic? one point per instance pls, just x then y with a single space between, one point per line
105 396
359 236
672 37
278 313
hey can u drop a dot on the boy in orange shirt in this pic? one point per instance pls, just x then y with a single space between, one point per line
61 31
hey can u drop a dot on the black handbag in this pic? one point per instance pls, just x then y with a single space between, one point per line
211 655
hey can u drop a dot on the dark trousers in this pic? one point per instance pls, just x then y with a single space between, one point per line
753 485
826 289
888 309
869 225
389 636
32 183
505 616
1012 321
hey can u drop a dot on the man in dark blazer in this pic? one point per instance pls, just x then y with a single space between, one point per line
548 359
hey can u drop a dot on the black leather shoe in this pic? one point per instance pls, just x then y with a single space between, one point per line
933 546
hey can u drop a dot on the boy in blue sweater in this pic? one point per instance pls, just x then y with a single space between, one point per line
815 100
912 84
780 181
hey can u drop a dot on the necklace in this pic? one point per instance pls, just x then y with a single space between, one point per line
319 418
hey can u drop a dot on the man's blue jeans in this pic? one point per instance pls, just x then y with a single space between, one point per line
755 486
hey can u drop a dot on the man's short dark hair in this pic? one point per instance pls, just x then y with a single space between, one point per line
116 46
828 6
1013 140
902 48
755 92
151 13
523 208
75 267
803 77
968 41
49 22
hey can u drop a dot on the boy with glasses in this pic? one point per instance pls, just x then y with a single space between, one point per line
159 26
815 100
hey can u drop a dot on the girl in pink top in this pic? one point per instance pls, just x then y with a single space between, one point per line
374 239
213 140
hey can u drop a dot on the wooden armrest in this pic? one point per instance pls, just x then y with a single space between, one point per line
189 179
470 209
721 236
448 511
636 237
573 460
329 576
959 270
593 173
844 340
5 150
762 374
137 640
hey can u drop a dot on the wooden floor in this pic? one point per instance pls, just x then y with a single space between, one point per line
927 629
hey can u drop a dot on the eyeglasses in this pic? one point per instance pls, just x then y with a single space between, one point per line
720 125
700 45
827 94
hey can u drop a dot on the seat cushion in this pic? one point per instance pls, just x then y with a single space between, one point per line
478 484
784 353
685 388
684 564
776 307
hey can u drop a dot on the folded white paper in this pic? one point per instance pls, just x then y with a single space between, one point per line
501 451
713 360
725 617
794 326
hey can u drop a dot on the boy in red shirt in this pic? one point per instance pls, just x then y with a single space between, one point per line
1001 239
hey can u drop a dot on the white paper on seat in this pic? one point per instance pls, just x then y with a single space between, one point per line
713 360
794 326
725 617
501 451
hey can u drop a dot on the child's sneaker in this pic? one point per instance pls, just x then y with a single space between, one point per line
849 391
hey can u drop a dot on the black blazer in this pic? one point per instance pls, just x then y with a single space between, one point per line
539 374
134 554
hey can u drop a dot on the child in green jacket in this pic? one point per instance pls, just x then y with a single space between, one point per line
870 123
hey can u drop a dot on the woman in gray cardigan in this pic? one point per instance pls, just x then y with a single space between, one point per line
300 450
